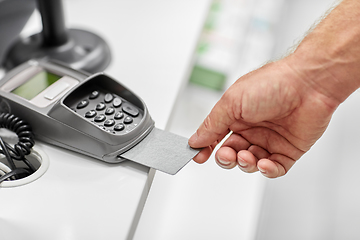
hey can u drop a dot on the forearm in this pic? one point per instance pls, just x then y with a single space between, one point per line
328 59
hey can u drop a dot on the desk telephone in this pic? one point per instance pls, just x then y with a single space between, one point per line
91 114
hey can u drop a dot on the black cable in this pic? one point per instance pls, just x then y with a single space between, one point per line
19 172
5 151
19 158
20 149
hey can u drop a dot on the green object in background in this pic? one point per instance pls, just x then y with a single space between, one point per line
208 78
205 72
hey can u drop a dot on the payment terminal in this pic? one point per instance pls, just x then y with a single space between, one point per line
91 114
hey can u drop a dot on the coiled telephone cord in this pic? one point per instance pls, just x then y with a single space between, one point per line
18 152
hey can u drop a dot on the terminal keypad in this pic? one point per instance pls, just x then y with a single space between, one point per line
109 112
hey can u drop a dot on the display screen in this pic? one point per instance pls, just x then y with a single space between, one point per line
35 85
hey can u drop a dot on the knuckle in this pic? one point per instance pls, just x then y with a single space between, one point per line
207 123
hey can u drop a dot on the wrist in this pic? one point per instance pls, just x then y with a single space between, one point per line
328 59
314 75
331 71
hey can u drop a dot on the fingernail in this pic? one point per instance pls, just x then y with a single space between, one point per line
223 162
193 138
261 170
242 163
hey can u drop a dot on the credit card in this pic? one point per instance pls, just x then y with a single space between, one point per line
163 151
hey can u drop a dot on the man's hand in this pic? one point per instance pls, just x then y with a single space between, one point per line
275 117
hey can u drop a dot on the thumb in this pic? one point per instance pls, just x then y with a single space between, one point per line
214 128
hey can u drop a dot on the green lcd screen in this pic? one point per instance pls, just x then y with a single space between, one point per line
35 85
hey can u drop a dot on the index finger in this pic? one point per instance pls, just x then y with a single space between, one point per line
214 128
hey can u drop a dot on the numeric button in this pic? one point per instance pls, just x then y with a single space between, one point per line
119 127
108 97
119 115
128 120
90 114
82 104
109 122
100 118
109 111
100 106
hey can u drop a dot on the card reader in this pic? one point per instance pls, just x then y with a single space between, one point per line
91 114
